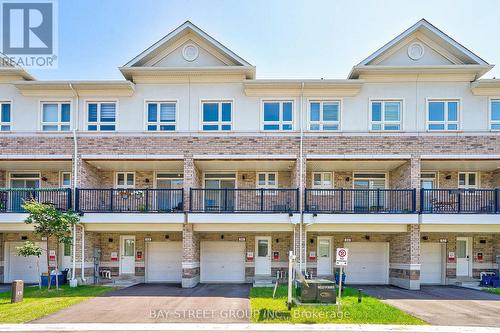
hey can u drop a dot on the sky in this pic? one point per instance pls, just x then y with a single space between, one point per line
282 38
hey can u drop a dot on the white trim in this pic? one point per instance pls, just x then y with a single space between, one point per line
245 157
490 114
35 157
125 185
158 102
321 122
357 157
219 122
61 179
98 123
266 180
467 185
59 123
130 157
280 121
11 122
322 176
445 122
9 175
382 121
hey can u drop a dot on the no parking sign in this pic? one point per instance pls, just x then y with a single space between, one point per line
341 258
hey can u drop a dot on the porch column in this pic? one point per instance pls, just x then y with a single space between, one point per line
192 179
404 267
190 257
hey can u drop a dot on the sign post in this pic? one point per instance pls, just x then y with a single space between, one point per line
341 261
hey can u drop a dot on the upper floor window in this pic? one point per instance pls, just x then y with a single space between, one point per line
217 116
467 180
385 115
495 114
322 180
324 116
125 180
101 116
56 116
5 116
161 116
267 180
443 115
278 116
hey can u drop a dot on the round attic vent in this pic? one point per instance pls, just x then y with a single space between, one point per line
415 51
190 52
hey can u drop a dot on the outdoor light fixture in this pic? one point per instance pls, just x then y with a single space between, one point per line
146 180
44 178
347 179
315 215
448 177
347 240
167 236
290 214
147 239
443 240
24 237
110 240
367 237
425 238
277 240
221 236
311 241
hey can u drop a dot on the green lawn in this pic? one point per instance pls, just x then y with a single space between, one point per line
369 311
492 290
38 303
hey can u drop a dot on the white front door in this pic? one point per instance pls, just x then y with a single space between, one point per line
127 257
263 255
463 256
65 258
325 256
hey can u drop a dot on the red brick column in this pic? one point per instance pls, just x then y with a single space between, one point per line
404 260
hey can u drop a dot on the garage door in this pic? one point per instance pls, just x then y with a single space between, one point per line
164 262
431 263
22 268
368 263
222 262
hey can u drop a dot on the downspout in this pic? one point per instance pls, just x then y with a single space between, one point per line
75 174
303 252
83 254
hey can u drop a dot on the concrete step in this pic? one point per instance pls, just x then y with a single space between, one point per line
263 281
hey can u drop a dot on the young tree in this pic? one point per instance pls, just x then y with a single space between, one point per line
29 249
50 222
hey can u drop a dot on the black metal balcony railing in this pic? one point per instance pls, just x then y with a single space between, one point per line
472 201
244 200
12 199
386 201
129 200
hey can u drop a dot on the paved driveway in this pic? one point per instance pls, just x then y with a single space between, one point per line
150 303
441 305
4 287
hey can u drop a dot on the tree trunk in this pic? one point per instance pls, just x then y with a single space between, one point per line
48 264
57 267
39 273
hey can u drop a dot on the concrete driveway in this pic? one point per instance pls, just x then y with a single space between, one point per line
440 305
157 303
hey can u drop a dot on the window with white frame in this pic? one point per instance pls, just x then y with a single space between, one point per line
467 180
125 180
267 180
324 115
277 116
161 116
495 114
385 115
216 115
322 180
101 116
442 115
65 181
56 116
5 116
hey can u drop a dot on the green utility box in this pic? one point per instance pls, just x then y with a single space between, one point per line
316 291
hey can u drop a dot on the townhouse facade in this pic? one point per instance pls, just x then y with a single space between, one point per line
192 170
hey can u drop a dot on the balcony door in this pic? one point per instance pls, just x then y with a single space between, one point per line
169 200
216 198
22 181
365 199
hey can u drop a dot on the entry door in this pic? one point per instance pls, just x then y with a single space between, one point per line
325 263
169 200
127 259
19 197
263 257
463 256
218 199
65 259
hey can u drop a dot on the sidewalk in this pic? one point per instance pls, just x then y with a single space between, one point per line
182 328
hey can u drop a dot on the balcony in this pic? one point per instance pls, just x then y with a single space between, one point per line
360 201
460 201
129 200
244 200
12 199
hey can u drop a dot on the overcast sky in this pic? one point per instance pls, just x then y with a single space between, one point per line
284 39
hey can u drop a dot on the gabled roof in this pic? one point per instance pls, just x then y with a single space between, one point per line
182 30
455 52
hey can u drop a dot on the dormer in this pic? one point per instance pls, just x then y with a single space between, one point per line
186 52
421 53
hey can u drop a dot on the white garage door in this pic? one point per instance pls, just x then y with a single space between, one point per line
222 262
368 263
431 263
22 268
164 262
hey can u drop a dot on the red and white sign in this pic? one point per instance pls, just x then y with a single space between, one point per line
52 255
341 258
114 256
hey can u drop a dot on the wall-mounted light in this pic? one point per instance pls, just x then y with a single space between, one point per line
24 238
290 214
221 236
315 215
347 179
146 180
243 176
447 177
147 239
44 178
167 236
367 237
110 240
443 240
347 240
425 238
311 241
